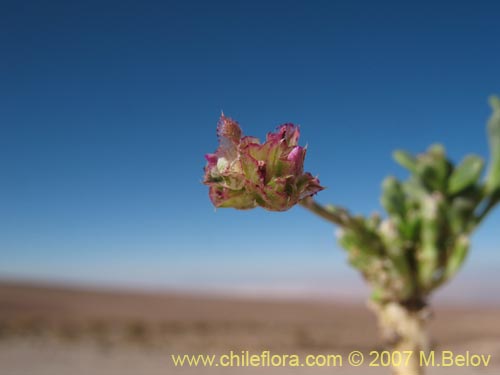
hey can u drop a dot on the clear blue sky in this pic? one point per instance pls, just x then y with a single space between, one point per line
107 108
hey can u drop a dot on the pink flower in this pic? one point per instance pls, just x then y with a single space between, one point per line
243 173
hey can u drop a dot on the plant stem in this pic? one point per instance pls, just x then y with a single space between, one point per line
336 216
404 331
491 204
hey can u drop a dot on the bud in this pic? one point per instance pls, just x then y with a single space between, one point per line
243 173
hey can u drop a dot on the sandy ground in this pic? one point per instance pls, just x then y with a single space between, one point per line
58 331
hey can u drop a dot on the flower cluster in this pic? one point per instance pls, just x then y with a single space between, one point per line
243 173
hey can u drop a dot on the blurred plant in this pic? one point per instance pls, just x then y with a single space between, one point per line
420 244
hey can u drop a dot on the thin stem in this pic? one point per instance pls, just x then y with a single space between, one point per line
334 216
491 204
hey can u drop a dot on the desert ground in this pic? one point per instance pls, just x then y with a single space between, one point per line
50 330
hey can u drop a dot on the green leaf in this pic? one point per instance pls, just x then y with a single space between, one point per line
457 256
493 178
411 226
437 150
427 173
460 214
434 168
406 160
466 174
393 197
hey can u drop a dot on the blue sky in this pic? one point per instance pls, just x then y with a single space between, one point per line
107 108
